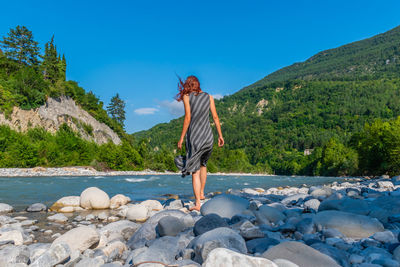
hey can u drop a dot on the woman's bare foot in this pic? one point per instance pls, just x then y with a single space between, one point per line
196 207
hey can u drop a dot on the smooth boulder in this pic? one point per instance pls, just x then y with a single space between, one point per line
56 254
70 202
300 254
225 206
137 213
208 223
36 207
223 257
270 213
118 200
350 224
222 237
170 226
5 208
80 238
94 198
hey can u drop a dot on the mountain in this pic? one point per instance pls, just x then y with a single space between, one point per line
302 107
375 57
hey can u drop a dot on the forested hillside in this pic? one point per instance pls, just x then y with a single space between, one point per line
324 105
27 79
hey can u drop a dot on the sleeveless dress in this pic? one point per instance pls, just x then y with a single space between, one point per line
199 137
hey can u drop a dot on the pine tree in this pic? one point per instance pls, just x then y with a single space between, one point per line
20 46
116 109
50 64
62 68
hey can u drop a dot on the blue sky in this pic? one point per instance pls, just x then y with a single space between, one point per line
134 48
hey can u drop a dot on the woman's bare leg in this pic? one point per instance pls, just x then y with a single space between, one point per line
203 180
196 189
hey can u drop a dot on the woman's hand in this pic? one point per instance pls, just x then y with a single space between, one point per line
180 142
221 141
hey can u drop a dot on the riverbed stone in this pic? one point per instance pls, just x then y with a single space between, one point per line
385 237
55 255
225 206
260 245
312 204
152 205
5 208
90 262
68 201
207 223
118 200
170 226
59 217
36 207
294 198
15 235
223 257
222 237
124 228
350 224
300 254
147 231
284 263
14 255
271 214
346 204
249 231
94 198
80 238
340 256
137 213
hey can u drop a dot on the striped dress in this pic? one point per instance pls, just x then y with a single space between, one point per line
199 137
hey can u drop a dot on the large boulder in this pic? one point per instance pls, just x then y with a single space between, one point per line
118 200
350 224
147 231
13 255
152 204
271 214
225 206
170 226
66 203
207 223
56 254
222 237
5 208
346 204
223 257
94 198
80 238
137 213
300 254
15 235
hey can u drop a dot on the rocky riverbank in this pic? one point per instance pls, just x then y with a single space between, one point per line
340 224
87 171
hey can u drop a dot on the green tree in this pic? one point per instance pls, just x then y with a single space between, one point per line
116 109
51 61
20 46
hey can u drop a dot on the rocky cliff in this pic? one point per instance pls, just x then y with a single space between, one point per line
56 112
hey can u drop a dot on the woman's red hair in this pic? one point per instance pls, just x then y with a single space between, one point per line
190 85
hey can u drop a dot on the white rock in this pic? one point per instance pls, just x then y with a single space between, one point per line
223 257
385 184
118 200
312 204
80 238
285 263
69 201
137 213
56 254
94 198
14 235
61 218
152 204
114 245
5 208
385 237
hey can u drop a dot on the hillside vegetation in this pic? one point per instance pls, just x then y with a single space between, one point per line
341 104
27 79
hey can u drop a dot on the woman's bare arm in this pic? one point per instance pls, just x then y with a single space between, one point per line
186 121
216 121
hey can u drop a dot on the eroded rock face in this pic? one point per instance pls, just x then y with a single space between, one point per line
54 113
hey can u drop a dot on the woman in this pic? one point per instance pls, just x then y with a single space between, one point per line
199 137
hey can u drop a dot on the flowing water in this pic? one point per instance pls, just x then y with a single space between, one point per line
22 191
